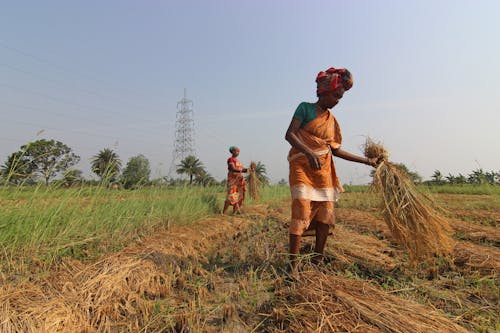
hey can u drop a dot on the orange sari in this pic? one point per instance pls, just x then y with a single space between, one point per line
236 185
314 191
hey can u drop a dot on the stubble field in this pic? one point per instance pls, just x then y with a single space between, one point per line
164 260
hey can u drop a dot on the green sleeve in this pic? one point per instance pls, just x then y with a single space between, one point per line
300 112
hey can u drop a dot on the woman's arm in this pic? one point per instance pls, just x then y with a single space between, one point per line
232 168
292 137
354 158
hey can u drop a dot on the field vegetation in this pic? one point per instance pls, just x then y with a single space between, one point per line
163 259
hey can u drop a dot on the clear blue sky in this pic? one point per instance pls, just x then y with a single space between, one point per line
109 74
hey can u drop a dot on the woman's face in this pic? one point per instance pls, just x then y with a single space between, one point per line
236 152
332 98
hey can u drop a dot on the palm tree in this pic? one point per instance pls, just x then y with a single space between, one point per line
260 171
437 177
72 177
205 179
106 164
492 177
190 166
477 177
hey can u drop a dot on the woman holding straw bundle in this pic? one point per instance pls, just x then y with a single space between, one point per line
314 135
236 185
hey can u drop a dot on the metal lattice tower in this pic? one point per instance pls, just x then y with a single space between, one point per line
184 132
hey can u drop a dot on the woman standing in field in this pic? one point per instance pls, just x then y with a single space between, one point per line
314 135
236 185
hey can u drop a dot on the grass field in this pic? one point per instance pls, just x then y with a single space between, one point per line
165 260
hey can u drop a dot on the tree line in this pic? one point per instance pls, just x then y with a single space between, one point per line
476 177
53 161
44 160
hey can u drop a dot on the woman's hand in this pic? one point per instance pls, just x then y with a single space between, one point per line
244 170
375 161
314 160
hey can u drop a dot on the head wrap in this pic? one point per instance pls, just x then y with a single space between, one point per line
232 148
332 79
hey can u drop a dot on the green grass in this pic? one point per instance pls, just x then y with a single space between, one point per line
48 222
486 189
274 194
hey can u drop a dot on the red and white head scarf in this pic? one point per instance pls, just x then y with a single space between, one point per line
332 79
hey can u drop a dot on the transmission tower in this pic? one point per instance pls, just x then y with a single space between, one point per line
184 132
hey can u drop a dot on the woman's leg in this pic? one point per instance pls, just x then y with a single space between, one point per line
294 250
226 206
321 237
236 208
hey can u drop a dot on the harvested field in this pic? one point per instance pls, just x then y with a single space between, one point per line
230 274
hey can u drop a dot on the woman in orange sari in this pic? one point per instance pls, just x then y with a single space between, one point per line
236 185
315 136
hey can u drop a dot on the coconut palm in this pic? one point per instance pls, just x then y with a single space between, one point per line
106 164
260 171
204 178
190 166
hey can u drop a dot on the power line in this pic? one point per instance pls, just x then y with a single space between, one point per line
60 67
62 100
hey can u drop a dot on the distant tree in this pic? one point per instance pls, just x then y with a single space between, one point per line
73 177
204 179
437 177
50 157
282 182
477 177
492 177
260 171
17 168
136 172
41 158
451 179
190 166
454 180
413 175
106 164
159 181
460 179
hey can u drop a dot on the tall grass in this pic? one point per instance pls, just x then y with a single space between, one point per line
274 194
47 222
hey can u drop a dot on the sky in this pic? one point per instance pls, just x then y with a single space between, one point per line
109 74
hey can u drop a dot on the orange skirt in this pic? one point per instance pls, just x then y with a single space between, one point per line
236 188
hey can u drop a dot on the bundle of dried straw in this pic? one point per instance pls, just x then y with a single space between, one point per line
410 215
254 182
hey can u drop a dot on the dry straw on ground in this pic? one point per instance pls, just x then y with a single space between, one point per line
116 294
253 182
325 302
410 215
473 258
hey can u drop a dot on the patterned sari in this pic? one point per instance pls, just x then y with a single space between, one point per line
236 185
314 191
